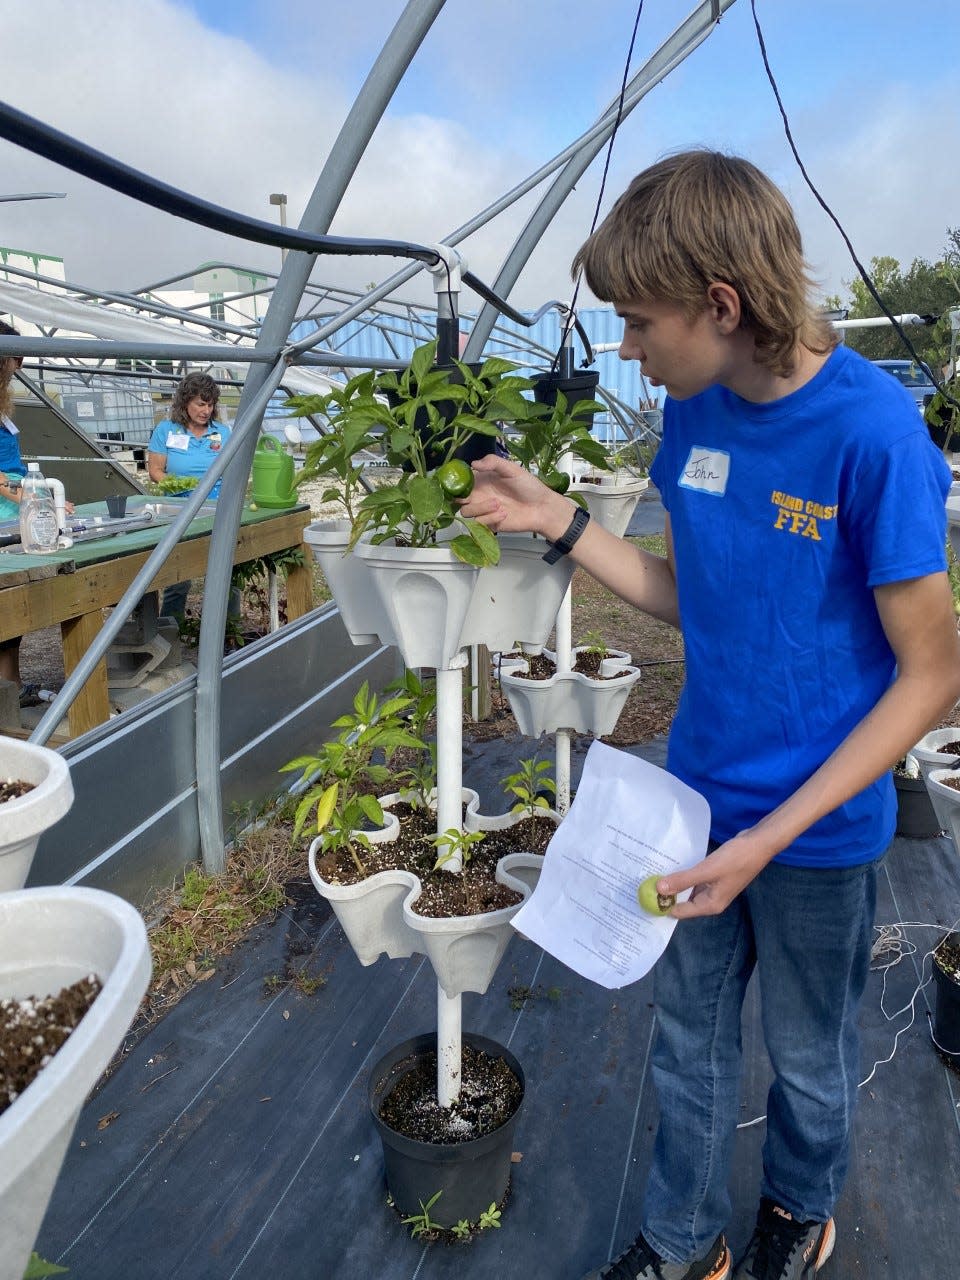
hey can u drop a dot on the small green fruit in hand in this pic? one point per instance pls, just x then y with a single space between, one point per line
456 478
654 903
558 481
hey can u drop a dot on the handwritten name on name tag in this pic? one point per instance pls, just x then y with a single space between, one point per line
706 470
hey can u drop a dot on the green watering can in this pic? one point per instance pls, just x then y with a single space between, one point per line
272 475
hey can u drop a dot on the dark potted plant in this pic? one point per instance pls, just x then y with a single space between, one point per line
946 1016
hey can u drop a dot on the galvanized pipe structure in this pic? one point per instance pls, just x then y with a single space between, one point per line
272 353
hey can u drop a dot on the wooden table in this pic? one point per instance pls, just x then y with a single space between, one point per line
70 588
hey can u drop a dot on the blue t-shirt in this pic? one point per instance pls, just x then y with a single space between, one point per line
11 464
784 518
187 454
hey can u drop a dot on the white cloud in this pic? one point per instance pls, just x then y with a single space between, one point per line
146 81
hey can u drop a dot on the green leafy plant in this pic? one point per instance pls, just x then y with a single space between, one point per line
527 785
455 843
489 1218
593 642
342 777
350 415
548 434
172 486
421 770
421 1223
461 1230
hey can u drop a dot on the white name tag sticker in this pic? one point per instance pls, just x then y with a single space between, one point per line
706 470
177 440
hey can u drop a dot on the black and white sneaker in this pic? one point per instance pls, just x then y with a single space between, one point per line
640 1262
782 1248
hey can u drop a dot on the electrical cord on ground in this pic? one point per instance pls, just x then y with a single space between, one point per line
935 377
891 941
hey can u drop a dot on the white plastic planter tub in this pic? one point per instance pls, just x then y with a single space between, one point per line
24 820
50 938
378 917
945 801
348 578
929 757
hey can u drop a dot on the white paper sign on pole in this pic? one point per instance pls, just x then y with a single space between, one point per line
629 820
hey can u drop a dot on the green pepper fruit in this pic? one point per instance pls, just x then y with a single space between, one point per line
456 478
654 903
558 481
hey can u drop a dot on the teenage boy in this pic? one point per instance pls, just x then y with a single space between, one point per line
806 568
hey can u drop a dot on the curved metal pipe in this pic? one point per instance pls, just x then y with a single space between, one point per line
368 108
691 32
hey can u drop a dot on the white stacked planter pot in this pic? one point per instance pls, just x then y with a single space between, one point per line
49 939
570 700
378 918
429 604
929 758
613 500
24 819
348 577
946 801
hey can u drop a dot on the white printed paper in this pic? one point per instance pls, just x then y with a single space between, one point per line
629 820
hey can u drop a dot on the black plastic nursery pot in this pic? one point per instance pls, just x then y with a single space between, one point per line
471 1175
916 817
578 386
946 1014
474 448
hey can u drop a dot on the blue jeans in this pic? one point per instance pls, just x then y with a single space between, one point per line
809 935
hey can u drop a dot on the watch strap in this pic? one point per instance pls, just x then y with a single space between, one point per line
564 544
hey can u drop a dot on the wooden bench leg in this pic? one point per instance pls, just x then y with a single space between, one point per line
300 587
92 704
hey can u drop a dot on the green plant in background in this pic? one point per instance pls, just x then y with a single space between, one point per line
342 777
172 486
421 770
593 642
953 576
251 578
421 1223
528 784
455 842
350 413
547 434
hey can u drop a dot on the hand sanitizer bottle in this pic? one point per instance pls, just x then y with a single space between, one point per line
38 514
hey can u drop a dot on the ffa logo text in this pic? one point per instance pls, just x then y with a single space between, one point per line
800 516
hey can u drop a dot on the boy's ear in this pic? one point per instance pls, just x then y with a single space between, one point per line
723 303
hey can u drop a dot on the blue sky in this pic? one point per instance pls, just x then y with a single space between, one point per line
234 100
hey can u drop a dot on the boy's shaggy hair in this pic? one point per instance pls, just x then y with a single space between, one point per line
192 386
700 216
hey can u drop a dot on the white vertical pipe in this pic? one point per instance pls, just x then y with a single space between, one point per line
448 1048
449 814
562 738
450 750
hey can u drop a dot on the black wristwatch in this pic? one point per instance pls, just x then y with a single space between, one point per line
564 544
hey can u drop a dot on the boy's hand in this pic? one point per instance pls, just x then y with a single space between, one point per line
716 880
508 499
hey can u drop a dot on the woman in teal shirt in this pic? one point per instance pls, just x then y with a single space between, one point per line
186 444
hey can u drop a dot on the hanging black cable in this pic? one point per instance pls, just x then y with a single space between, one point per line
34 136
603 182
898 328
